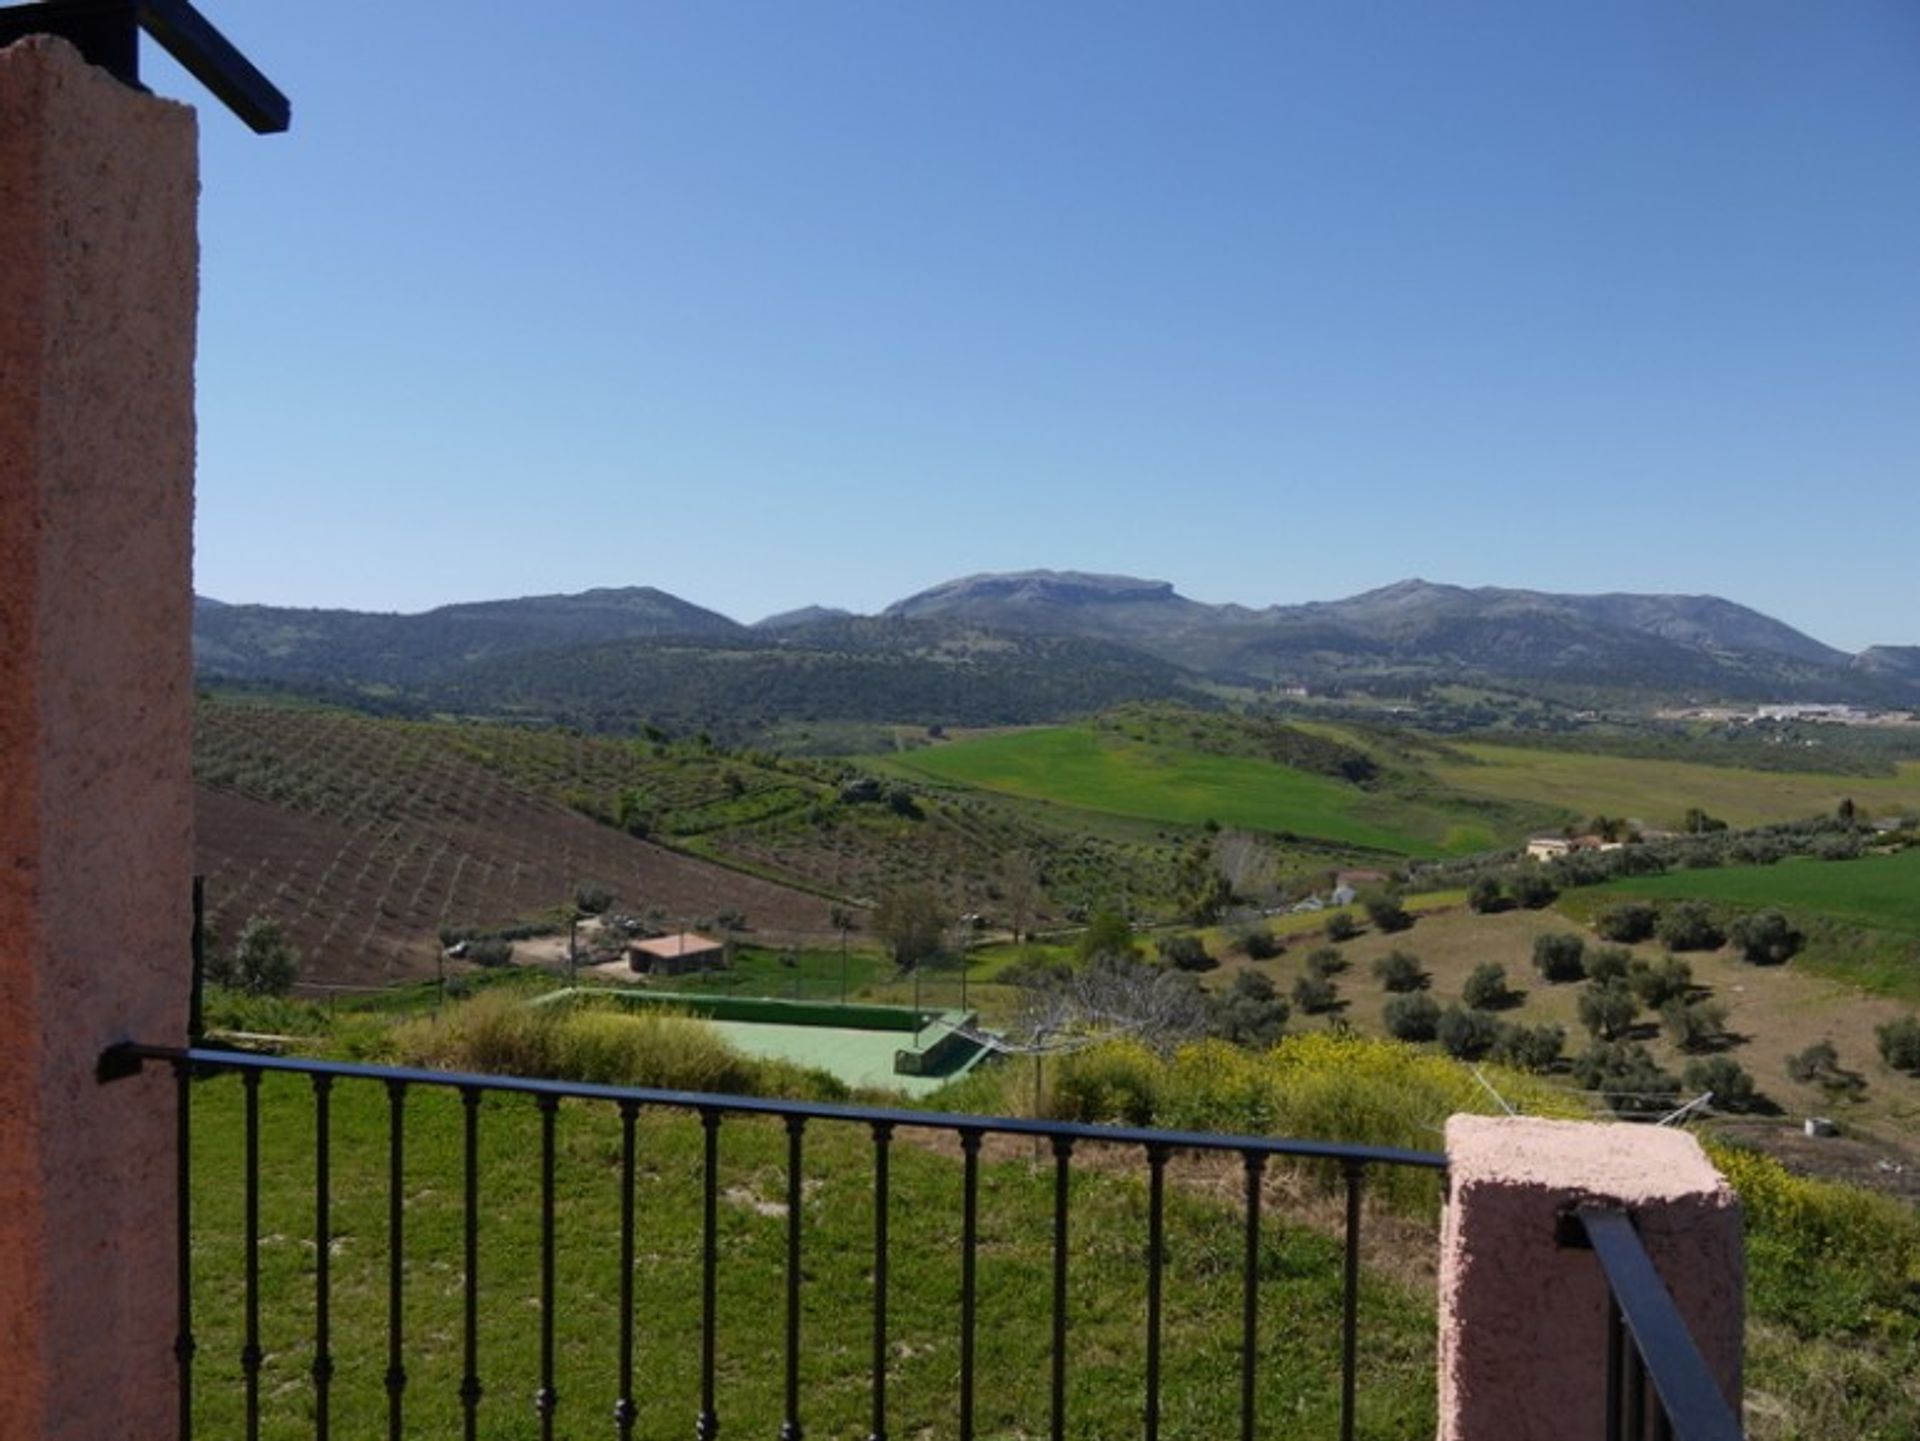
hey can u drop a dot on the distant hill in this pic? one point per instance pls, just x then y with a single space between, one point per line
806 615
852 669
1651 643
1020 647
261 642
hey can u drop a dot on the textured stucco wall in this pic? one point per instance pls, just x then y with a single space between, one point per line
1523 1320
98 289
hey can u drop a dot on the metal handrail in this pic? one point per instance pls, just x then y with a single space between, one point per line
125 1059
1649 1340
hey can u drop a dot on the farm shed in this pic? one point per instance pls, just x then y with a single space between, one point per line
677 955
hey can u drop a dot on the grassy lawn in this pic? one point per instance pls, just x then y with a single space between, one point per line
1299 1269
1075 766
1658 792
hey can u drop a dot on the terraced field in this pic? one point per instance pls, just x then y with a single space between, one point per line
1099 771
1658 792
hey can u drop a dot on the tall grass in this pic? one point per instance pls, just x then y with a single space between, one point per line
503 1035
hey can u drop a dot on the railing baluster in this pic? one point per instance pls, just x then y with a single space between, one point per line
1156 1223
183 1342
322 1257
250 1353
1617 1341
396 1198
790 1427
969 1259
1062 1174
546 1399
1250 1294
708 1425
1634 1402
625 1412
882 1149
1350 1300
470 1388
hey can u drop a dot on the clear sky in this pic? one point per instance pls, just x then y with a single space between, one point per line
776 303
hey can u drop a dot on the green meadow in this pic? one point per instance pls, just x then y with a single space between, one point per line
1659 792
1077 766
1882 892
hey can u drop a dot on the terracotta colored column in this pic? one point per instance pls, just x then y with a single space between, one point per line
98 276
1523 1318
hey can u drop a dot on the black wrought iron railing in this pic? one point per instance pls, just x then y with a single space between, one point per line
1659 1386
1063 1145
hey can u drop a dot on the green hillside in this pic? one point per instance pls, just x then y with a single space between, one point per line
1100 770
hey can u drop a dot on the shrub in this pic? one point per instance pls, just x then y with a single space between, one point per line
491 951
1342 927
1184 953
1108 934
1531 1048
1627 1078
1467 1034
1387 914
1607 963
1628 922
262 962
1486 988
1689 926
1319 1086
1413 1017
1694 1025
1486 896
1559 957
1398 971
1315 995
1819 1065
1258 943
592 899
1120 1081
1900 1043
1659 982
1726 1078
1252 1012
1326 961
1532 890
1607 1009
1766 938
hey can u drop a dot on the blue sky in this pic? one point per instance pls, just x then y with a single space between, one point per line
776 303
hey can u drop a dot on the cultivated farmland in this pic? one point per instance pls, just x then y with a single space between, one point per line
364 838
1098 770
1658 792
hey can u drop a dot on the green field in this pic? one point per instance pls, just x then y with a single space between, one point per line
1658 792
1076 766
1882 892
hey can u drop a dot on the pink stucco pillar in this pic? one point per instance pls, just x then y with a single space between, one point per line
1523 1317
98 277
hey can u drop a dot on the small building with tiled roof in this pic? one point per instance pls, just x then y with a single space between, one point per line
677 955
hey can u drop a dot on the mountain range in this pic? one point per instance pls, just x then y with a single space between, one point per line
1023 646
